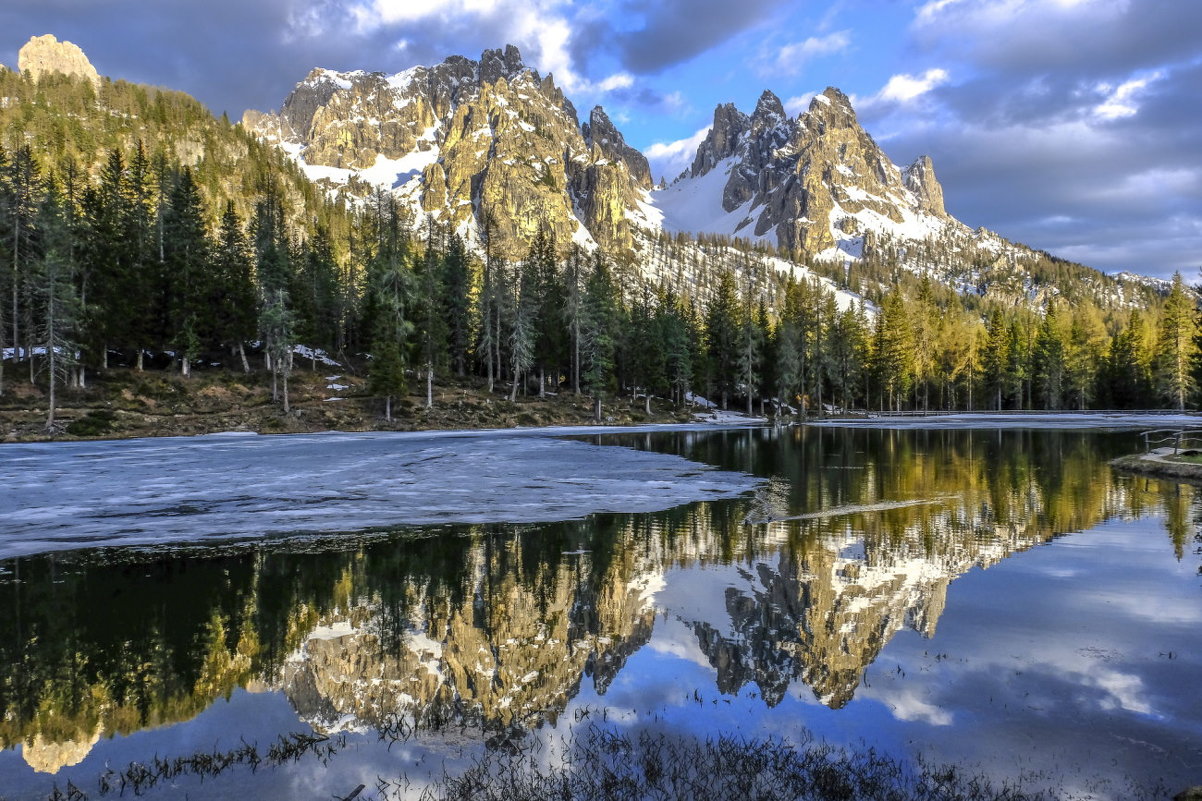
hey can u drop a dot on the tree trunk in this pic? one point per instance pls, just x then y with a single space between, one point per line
749 404
275 392
242 354
647 398
513 391
185 367
576 360
139 363
287 408
542 382
429 385
597 409
50 354
488 358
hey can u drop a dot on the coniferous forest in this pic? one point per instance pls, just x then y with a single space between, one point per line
133 223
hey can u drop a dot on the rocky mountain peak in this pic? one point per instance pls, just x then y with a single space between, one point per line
832 109
46 55
769 111
600 132
723 139
496 64
920 179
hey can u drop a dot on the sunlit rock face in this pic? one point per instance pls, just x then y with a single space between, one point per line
489 148
506 651
48 756
46 55
802 182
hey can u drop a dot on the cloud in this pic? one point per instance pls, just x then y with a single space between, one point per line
796 105
1120 101
1078 111
661 34
792 57
670 159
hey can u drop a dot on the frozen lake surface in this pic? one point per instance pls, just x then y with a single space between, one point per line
151 492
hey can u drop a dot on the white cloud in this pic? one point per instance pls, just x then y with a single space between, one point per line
669 159
620 80
540 29
904 88
1120 100
790 58
798 104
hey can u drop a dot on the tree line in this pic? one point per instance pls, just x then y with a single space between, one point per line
133 261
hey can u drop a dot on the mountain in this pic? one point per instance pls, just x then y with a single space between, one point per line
67 113
463 142
815 183
493 150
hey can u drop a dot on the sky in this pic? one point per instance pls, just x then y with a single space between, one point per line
1073 126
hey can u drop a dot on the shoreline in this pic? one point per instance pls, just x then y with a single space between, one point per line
1154 465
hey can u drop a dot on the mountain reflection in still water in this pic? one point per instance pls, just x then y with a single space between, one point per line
863 617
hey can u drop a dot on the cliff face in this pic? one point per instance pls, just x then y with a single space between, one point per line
478 145
46 55
815 183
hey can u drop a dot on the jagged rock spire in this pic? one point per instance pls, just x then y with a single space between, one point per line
46 55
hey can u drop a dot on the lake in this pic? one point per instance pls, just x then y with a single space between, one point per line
291 617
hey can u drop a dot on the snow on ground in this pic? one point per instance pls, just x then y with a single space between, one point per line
315 354
727 418
694 206
1034 420
194 490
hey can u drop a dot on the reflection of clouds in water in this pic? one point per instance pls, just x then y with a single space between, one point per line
673 638
908 705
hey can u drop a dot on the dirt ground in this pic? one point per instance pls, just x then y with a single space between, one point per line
123 402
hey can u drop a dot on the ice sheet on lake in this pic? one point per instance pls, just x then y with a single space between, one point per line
1073 420
61 496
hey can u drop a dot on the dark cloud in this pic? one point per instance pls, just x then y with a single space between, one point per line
234 54
674 31
1087 39
1030 138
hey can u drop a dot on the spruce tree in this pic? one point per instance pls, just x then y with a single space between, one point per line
599 316
456 301
722 336
188 270
54 294
1176 349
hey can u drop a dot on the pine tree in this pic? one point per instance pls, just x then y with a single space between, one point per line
456 300
1050 361
188 270
894 351
722 336
750 344
1126 380
432 327
1176 347
233 291
54 293
996 359
598 329
390 287
523 321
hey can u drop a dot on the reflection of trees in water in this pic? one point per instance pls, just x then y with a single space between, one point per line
501 624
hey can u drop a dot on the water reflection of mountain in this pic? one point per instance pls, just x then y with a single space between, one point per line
499 625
